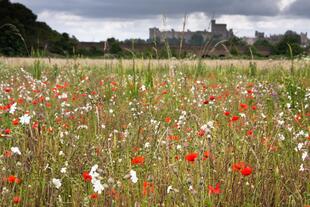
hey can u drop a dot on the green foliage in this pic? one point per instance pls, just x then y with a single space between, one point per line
296 93
36 35
65 45
263 43
252 69
36 69
10 44
233 44
114 45
291 38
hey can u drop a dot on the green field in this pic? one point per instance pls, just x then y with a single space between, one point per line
170 134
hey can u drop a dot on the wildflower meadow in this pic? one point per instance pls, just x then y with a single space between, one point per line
154 135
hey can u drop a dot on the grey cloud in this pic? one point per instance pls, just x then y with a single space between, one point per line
299 8
145 8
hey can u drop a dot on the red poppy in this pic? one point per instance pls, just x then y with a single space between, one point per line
7 131
35 125
20 100
215 190
173 138
206 154
168 120
205 102
139 160
246 171
191 157
212 98
87 177
244 106
235 118
238 166
7 90
11 179
15 122
249 132
201 132
93 196
148 187
8 153
16 199
226 113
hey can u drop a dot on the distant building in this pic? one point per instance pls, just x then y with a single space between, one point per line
259 35
161 36
252 40
304 39
275 38
218 31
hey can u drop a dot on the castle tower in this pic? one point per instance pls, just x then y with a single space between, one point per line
154 34
213 22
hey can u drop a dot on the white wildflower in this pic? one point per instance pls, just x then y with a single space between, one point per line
98 187
133 176
25 119
143 88
16 150
147 145
169 189
56 182
281 137
13 108
242 115
63 96
63 170
304 155
299 147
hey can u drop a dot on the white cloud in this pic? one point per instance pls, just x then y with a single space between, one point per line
96 29
284 4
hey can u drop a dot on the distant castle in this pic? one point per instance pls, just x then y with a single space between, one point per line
304 41
218 31
193 42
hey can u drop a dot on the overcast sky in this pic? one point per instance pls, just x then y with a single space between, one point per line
96 20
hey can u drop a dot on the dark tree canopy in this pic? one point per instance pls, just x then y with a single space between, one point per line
37 35
290 38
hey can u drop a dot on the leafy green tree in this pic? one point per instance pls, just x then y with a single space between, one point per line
263 43
37 35
234 43
291 38
11 44
114 45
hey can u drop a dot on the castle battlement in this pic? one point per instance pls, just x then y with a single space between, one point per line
218 31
